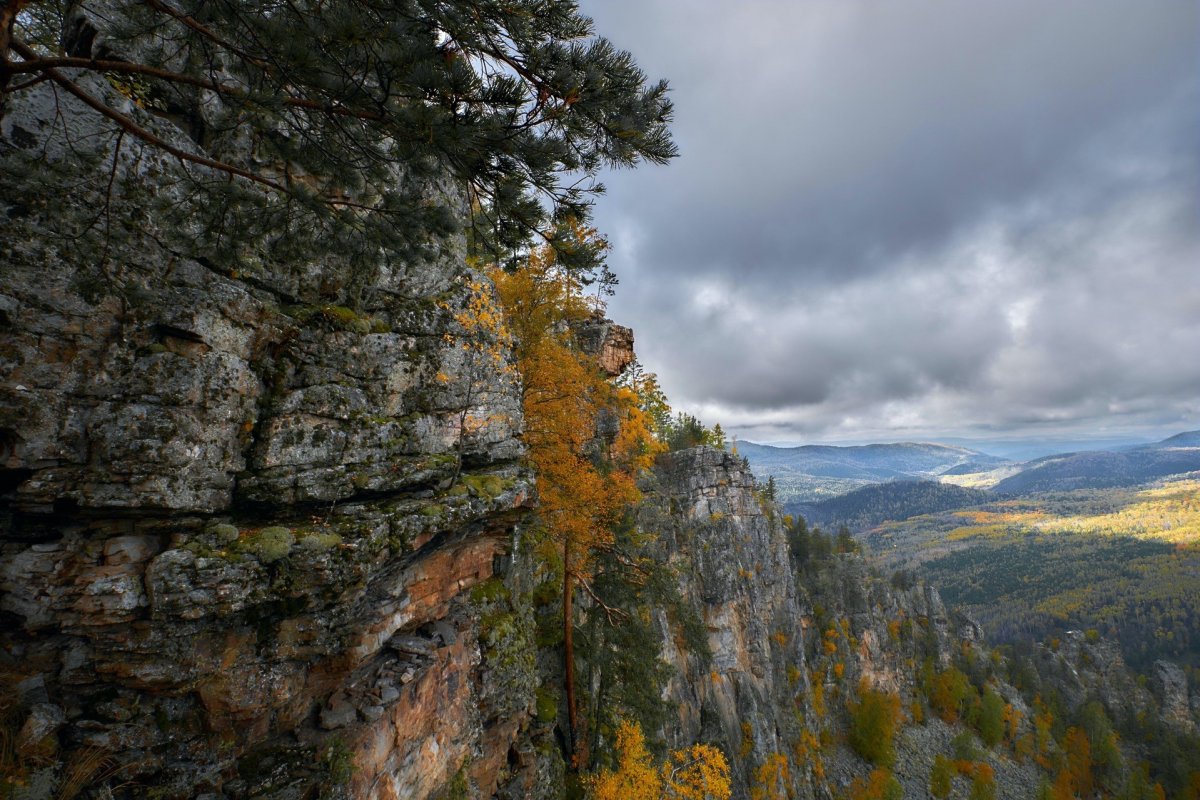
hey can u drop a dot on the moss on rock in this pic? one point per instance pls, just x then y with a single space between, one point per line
319 541
547 706
269 544
489 486
224 532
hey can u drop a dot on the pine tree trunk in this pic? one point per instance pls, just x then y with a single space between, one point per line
8 17
569 650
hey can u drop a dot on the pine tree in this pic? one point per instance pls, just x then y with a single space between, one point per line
718 437
322 121
771 490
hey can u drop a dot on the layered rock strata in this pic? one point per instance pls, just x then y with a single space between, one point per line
243 510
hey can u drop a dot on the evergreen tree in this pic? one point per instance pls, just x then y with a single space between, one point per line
771 490
718 437
845 541
799 540
322 124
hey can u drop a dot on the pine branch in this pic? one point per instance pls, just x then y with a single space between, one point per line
34 63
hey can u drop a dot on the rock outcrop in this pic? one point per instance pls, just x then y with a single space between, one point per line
1171 691
734 571
611 344
788 646
243 510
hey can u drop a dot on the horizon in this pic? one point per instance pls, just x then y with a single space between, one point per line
1019 448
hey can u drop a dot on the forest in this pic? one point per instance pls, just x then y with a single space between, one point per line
1124 562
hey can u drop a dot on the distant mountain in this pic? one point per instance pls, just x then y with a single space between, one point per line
871 505
1185 439
815 472
970 468
1102 470
1029 449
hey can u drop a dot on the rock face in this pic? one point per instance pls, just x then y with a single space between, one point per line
734 570
789 647
241 521
611 344
1171 690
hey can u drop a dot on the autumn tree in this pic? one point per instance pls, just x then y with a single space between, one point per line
772 779
699 772
585 481
1078 752
983 783
880 784
484 345
941 777
874 720
948 692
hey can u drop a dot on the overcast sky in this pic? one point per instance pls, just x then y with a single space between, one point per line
912 220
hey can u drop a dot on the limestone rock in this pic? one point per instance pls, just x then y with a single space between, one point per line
1170 687
611 344
227 484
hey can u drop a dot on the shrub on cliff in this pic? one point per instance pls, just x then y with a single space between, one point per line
874 720
699 772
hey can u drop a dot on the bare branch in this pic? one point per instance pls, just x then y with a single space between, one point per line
614 615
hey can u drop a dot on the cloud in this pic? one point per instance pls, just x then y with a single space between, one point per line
920 219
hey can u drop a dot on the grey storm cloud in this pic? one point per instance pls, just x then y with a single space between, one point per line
919 218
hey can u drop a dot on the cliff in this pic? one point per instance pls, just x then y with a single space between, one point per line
240 521
771 689
793 646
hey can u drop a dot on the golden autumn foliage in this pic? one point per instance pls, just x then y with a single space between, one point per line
485 344
1078 769
699 772
582 492
879 785
983 783
772 779
948 692
586 481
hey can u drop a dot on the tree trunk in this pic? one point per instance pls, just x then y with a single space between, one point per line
569 651
8 18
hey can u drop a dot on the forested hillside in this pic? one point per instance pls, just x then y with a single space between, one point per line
896 500
1099 470
1124 562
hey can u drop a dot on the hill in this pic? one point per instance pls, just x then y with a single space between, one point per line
898 500
1185 439
1102 469
1125 561
815 472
